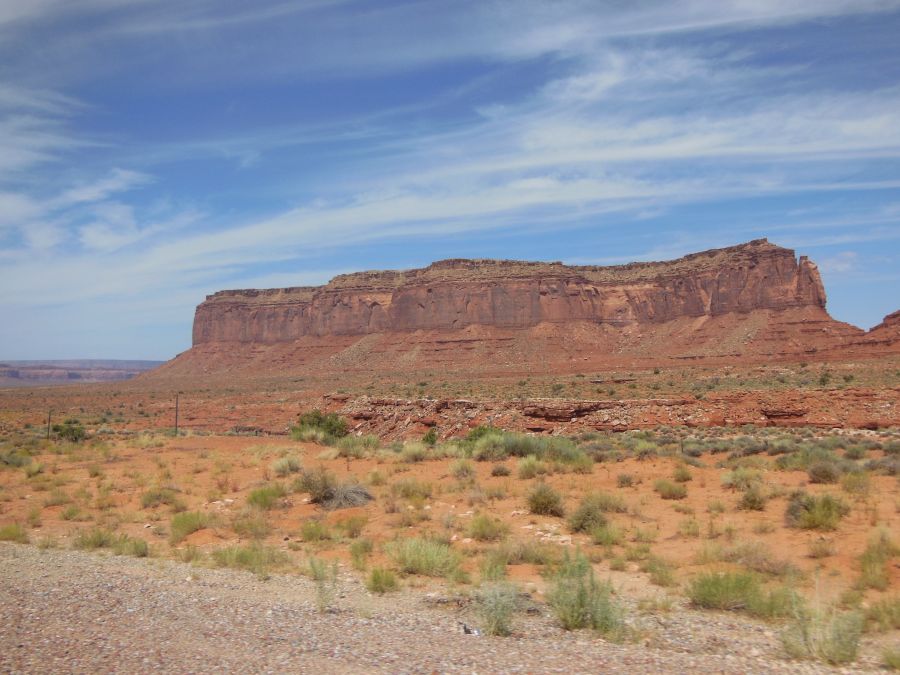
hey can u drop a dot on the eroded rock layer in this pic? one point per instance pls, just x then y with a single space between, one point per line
754 302
454 294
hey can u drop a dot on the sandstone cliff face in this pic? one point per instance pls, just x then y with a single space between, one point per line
453 294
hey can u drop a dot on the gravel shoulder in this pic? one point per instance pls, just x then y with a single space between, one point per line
69 611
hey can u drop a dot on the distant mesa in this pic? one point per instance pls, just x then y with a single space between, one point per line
751 302
24 373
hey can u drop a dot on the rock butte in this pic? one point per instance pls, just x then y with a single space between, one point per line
751 302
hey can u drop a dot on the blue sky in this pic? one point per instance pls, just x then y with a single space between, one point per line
154 151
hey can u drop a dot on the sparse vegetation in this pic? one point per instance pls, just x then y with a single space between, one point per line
186 523
579 601
496 605
811 512
669 490
543 500
381 580
427 557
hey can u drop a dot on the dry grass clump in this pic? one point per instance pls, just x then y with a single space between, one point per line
187 523
251 523
884 615
314 531
811 512
409 488
579 601
427 557
381 581
669 490
874 562
267 497
120 544
285 466
255 558
496 604
753 499
462 469
740 591
13 532
543 500
323 488
162 495
485 528
824 635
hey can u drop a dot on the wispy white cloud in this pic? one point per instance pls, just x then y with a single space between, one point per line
619 120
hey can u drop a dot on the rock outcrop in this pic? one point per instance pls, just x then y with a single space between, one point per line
452 294
754 302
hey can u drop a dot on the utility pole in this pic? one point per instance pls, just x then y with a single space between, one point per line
176 414
49 412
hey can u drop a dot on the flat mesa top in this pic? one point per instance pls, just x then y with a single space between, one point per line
462 269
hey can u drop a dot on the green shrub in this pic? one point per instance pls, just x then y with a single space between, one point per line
120 544
661 572
462 469
607 535
430 437
359 552
884 615
186 523
158 496
543 500
331 425
325 577
255 558
832 637
89 540
70 430
57 498
414 452
519 552
500 470
856 483
72 512
589 515
890 658
823 472
314 530
13 532
624 480
485 528
353 526
874 561
669 490
740 591
724 590
496 605
811 512
579 601
285 466
381 580
742 478
682 474
409 488
125 545
424 556
251 523
267 497
493 566
530 467
357 446
753 499
33 469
